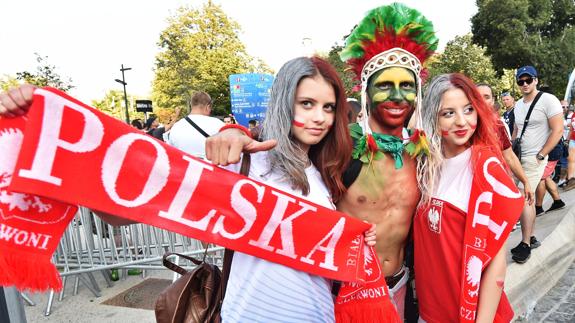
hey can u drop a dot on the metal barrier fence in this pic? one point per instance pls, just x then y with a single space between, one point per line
90 245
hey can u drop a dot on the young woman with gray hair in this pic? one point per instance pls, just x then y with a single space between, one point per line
468 207
307 116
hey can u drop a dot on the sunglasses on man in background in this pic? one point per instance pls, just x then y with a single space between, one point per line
523 81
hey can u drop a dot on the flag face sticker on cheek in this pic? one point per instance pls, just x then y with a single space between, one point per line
298 121
30 226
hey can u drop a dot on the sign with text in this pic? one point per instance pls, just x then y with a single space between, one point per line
144 106
249 96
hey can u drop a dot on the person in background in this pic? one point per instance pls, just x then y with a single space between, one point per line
456 279
570 120
157 131
508 115
151 125
185 136
356 114
137 123
542 133
505 145
229 119
255 129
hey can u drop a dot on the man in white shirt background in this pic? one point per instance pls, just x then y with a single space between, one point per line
543 132
185 136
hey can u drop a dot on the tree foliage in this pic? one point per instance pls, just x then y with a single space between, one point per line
529 32
462 56
200 48
113 105
346 75
45 75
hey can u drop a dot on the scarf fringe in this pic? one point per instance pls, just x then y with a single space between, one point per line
32 272
367 313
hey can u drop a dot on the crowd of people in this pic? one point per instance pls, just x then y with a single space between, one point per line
416 161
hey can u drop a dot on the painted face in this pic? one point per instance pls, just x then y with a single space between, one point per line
457 121
314 111
486 95
392 92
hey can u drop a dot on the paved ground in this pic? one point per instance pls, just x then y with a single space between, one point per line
559 303
546 223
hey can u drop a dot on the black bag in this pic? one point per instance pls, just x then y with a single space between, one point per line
560 150
516 146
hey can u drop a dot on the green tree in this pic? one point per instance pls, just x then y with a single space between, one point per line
462 56
113 105
345 74
200 48
529 32
45 75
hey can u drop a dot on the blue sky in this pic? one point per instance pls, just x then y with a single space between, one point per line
89 40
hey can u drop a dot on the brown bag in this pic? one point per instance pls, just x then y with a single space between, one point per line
195 297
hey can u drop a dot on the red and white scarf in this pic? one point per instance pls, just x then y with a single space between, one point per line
495 204
66 153
367 302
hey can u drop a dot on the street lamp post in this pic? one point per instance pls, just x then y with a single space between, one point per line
123 82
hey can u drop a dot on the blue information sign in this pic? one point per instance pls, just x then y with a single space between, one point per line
250 94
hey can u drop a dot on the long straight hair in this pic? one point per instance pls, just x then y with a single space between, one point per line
484 137
331 155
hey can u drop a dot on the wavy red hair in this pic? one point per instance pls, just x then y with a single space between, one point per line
485 136
332 155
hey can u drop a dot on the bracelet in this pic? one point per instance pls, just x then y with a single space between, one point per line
237 126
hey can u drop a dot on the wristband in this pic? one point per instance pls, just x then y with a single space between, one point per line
236 126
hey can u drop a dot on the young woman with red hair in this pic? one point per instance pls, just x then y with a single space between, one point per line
468 208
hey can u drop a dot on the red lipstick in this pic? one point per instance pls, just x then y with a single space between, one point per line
460 133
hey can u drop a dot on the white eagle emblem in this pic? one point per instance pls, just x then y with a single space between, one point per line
368 259
473 274
11 141
434 218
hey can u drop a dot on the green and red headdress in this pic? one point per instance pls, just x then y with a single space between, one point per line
390 36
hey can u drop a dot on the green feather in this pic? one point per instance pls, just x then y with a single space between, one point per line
410 148
355 131
396 17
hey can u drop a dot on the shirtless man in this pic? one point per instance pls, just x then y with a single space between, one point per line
381 193
381 181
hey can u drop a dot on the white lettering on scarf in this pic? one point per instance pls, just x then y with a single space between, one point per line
49 141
